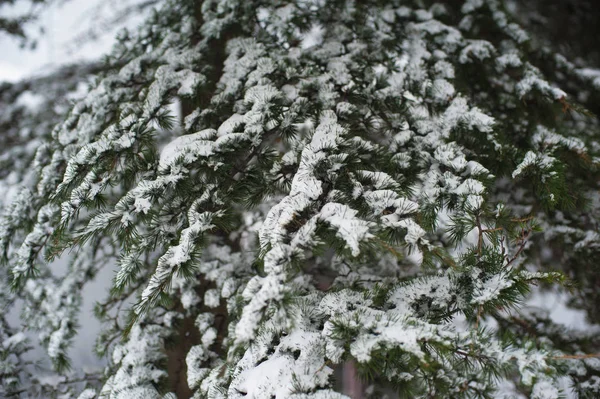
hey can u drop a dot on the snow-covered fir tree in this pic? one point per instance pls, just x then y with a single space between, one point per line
286 189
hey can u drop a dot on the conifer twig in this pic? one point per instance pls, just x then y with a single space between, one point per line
586 356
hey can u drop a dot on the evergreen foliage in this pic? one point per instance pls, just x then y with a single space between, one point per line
370 182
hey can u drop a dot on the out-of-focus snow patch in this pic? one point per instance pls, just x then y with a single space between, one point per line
313 37
507 390
555 303
9 72
30 100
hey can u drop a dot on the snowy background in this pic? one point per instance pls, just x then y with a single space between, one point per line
74 30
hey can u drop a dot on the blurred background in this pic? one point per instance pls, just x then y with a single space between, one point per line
49 53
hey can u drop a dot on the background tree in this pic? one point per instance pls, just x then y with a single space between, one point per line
375 183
